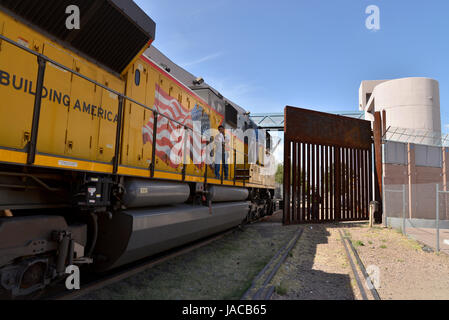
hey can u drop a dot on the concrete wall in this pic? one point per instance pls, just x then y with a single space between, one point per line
367 87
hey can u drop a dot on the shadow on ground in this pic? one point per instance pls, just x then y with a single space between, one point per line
317 268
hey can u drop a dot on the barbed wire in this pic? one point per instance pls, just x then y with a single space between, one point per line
417 136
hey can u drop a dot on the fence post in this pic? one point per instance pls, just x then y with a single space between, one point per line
403 210
437 221
384 212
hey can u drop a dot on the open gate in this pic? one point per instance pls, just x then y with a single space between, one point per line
328 167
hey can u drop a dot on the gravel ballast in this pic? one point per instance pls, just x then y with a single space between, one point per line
223 269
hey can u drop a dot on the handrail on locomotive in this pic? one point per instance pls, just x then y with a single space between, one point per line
122 98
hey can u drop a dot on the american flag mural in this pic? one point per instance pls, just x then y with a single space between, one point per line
170 136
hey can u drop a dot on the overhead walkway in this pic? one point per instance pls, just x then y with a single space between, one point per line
275 121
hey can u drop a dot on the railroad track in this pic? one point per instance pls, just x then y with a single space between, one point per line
362 285
260 288
126 272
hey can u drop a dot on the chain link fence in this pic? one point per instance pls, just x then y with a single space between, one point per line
420 211
416 185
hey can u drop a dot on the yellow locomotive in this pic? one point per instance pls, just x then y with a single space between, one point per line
105 156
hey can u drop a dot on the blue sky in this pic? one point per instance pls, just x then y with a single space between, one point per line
264 55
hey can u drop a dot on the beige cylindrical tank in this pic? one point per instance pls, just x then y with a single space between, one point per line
412 103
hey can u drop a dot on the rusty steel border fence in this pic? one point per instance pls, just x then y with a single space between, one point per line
328 167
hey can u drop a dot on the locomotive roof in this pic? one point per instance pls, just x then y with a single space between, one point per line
183 75
112 32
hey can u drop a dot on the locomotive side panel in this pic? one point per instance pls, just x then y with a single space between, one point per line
169 132
54 110
72 109
175 101
78 119
18 68
132 151
107 123
80 123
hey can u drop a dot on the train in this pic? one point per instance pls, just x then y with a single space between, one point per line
107 147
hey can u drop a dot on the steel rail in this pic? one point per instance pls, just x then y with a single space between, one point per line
353 267
270 289
365 274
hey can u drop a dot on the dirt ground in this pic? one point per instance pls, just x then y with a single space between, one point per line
428 237
317 268
407 270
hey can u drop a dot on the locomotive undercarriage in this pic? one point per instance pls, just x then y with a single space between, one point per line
52 219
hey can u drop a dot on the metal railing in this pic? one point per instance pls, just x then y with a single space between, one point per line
42 61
